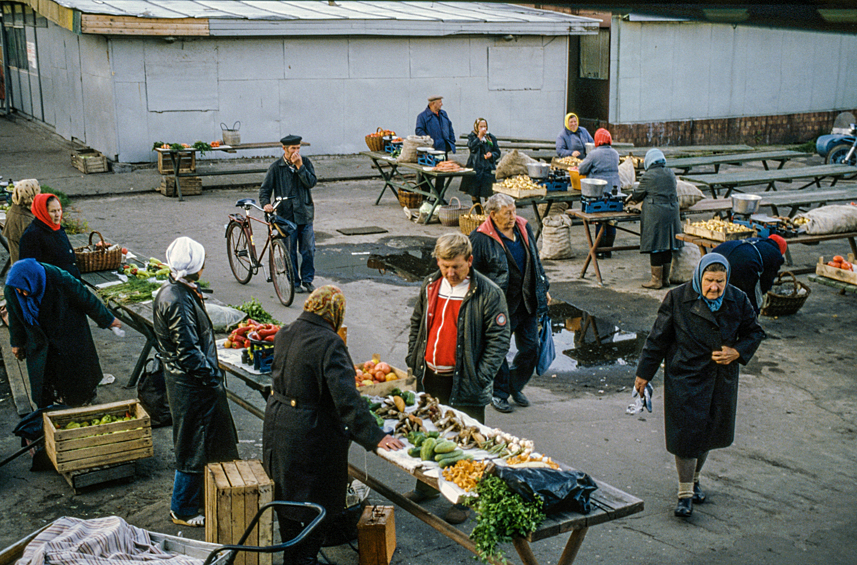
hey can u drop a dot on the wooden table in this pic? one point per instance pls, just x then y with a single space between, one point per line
795 200
685 164
731 181
425 181
601 218
569 196
705 244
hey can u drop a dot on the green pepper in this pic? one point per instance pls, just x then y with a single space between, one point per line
378 420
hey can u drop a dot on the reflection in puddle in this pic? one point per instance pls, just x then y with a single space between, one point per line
404 265
394 260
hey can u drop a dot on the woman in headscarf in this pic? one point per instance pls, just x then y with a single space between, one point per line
203 430
313 414
572 140
48 327
703 331
45 239
603 163
19 215
660 220
484 154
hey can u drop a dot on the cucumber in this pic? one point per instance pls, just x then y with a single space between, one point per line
414 452
447 455
447 461
434 434
419 440
427 449
445 446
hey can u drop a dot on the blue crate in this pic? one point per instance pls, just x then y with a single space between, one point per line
263 355
603 206
428 160
392 147
554 185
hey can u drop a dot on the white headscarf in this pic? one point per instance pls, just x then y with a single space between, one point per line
185 257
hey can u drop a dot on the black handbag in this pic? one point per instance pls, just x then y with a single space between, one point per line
152 393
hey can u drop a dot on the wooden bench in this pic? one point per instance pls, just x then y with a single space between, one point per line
685 164
731 181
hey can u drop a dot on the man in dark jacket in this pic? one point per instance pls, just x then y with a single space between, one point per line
504 250
754 263
459 336
203 430
436 124
292 178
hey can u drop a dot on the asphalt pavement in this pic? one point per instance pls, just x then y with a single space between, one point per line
782 494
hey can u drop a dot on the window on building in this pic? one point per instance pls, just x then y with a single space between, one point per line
595 55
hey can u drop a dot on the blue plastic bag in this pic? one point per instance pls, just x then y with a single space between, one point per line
547 351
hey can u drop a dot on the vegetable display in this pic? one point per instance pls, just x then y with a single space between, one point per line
373 372
106 419
130 292
839 262
716 224
250 330
520 182
254 310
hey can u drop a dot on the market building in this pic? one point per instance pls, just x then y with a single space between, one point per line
122 74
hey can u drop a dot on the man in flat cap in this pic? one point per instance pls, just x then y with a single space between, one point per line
292 177
436 124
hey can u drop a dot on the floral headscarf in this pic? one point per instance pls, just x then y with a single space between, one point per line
329 303
568 117
24 192
603 137
40 210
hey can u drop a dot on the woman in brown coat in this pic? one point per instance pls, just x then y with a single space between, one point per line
19 215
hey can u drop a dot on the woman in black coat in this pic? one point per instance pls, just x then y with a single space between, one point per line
704 329
203 430
484 154
45 239
48 327
313 413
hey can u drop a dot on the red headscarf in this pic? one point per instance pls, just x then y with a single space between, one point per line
603 137
780 241
40 210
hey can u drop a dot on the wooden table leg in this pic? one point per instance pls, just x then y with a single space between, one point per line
525 552
575 540
853 247
438 196
388 178
592 250
540 219
177 160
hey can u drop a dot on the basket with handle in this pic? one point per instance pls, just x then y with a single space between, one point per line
231 136
98 257
409 199
774 304
449 214
375 141
471 220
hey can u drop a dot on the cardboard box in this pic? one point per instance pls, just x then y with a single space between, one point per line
406 381
94 446
234 492
376 535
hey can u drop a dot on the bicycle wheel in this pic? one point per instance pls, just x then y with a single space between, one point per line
238 251
282 274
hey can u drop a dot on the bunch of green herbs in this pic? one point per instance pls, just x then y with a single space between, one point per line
130 292
254 310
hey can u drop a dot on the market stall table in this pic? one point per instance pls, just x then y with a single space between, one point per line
685 164
705 244
732 181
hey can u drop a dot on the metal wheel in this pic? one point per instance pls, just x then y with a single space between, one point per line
838 153
238 251
281 271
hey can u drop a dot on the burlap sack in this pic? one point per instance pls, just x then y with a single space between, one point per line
627 175
684 263
831 219
557 209
512 163
555 239
688 194
409 147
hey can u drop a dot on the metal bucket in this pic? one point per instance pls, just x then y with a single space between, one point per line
745 204
231 136
538 170
592 188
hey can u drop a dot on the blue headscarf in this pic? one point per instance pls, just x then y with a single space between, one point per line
653 156
708 259
28 275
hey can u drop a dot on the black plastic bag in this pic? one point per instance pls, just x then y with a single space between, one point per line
560 490
152 393
31 429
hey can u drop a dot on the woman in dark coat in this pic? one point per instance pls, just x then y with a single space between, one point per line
203 430
48 327
603 163
660 221
45 240
484 155
313 413
704 329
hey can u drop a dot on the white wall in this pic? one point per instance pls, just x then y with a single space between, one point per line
332 91
666 71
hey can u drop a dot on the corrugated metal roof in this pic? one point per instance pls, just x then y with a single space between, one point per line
235 17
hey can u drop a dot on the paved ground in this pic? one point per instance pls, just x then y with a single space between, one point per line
783 493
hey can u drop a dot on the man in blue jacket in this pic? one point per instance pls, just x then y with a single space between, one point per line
436 124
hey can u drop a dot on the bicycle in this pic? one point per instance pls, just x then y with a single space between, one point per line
241 248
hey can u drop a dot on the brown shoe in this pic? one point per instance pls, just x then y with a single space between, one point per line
456 514
657 279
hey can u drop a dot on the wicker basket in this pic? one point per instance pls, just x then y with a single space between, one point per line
774 304
97 258
374 141
471 220
450 214
409 199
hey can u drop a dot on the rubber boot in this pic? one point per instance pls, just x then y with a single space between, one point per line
657 279
666 279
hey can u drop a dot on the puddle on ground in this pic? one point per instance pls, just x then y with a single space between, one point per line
394 260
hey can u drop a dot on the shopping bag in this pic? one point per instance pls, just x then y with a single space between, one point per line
547 351
152 393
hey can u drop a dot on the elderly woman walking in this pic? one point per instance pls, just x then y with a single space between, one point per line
703 330
203 430
660 220
19 216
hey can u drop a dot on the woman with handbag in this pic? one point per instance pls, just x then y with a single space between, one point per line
45 240
484 155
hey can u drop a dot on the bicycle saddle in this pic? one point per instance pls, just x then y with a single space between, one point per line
244 202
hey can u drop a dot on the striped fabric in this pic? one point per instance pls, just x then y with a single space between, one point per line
102 541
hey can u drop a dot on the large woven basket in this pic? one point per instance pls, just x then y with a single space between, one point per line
774 304
450 214
97 257
409 199
375 141
472 220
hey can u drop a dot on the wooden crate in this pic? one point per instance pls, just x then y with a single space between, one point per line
406 381
825 270
234 492
376 535
190 186
89 161
690 229
116 442
187 164
518 193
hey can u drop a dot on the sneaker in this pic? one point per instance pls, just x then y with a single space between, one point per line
299 290
501 405
420 496
520 399
309 287
197 521
456 514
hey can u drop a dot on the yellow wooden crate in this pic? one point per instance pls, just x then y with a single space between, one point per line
714 235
